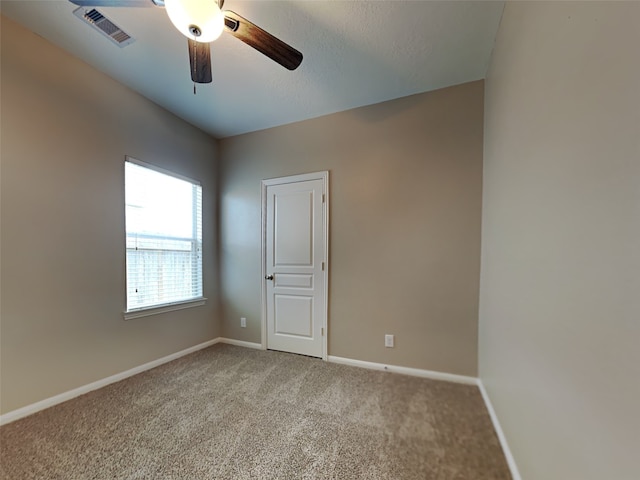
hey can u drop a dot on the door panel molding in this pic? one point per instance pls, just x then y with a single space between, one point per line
297 282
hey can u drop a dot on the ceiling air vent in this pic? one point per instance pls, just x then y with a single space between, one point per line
103 25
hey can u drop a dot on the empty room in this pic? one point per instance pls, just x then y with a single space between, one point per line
319 239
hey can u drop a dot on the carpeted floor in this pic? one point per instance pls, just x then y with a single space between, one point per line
234 413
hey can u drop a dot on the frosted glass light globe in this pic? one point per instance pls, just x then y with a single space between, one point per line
199 20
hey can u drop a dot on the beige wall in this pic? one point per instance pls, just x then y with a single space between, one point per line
405 179
65 131
560 303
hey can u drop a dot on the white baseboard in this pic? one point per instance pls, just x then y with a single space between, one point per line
240 343
515 474
76 392
415 372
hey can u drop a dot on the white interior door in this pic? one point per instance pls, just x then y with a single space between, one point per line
295 268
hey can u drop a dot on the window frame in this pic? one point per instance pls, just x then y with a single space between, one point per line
169 306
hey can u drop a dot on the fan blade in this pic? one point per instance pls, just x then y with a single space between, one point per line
118 3
264 42
200 61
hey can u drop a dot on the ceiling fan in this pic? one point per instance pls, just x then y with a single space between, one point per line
203 21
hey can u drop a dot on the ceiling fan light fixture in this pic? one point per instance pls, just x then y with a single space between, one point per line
199 20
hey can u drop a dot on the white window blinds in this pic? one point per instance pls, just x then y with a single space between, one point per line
164 238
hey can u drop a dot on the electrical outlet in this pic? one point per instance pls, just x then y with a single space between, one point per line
388 341
243 322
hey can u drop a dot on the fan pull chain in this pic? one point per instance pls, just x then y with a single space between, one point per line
195 62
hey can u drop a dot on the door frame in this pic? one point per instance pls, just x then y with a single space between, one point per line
324 176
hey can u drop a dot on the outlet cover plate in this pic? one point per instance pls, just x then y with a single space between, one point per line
389 341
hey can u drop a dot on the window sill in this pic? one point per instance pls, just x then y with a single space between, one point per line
169 307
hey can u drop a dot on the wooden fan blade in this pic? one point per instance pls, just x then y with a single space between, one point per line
200 61
118 3
264 42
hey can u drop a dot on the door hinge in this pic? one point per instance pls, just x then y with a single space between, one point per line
323 266
323 198
322 331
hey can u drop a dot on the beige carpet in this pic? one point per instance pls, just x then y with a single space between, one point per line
233 413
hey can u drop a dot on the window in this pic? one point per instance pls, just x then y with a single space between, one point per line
164 239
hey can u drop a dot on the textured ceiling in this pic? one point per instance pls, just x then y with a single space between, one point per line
355 53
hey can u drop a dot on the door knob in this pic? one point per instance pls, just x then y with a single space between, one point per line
268 277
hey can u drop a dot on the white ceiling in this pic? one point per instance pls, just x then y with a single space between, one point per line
355 53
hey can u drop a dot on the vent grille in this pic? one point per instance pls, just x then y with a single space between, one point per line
103 25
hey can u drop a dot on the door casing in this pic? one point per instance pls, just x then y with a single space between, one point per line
324 176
